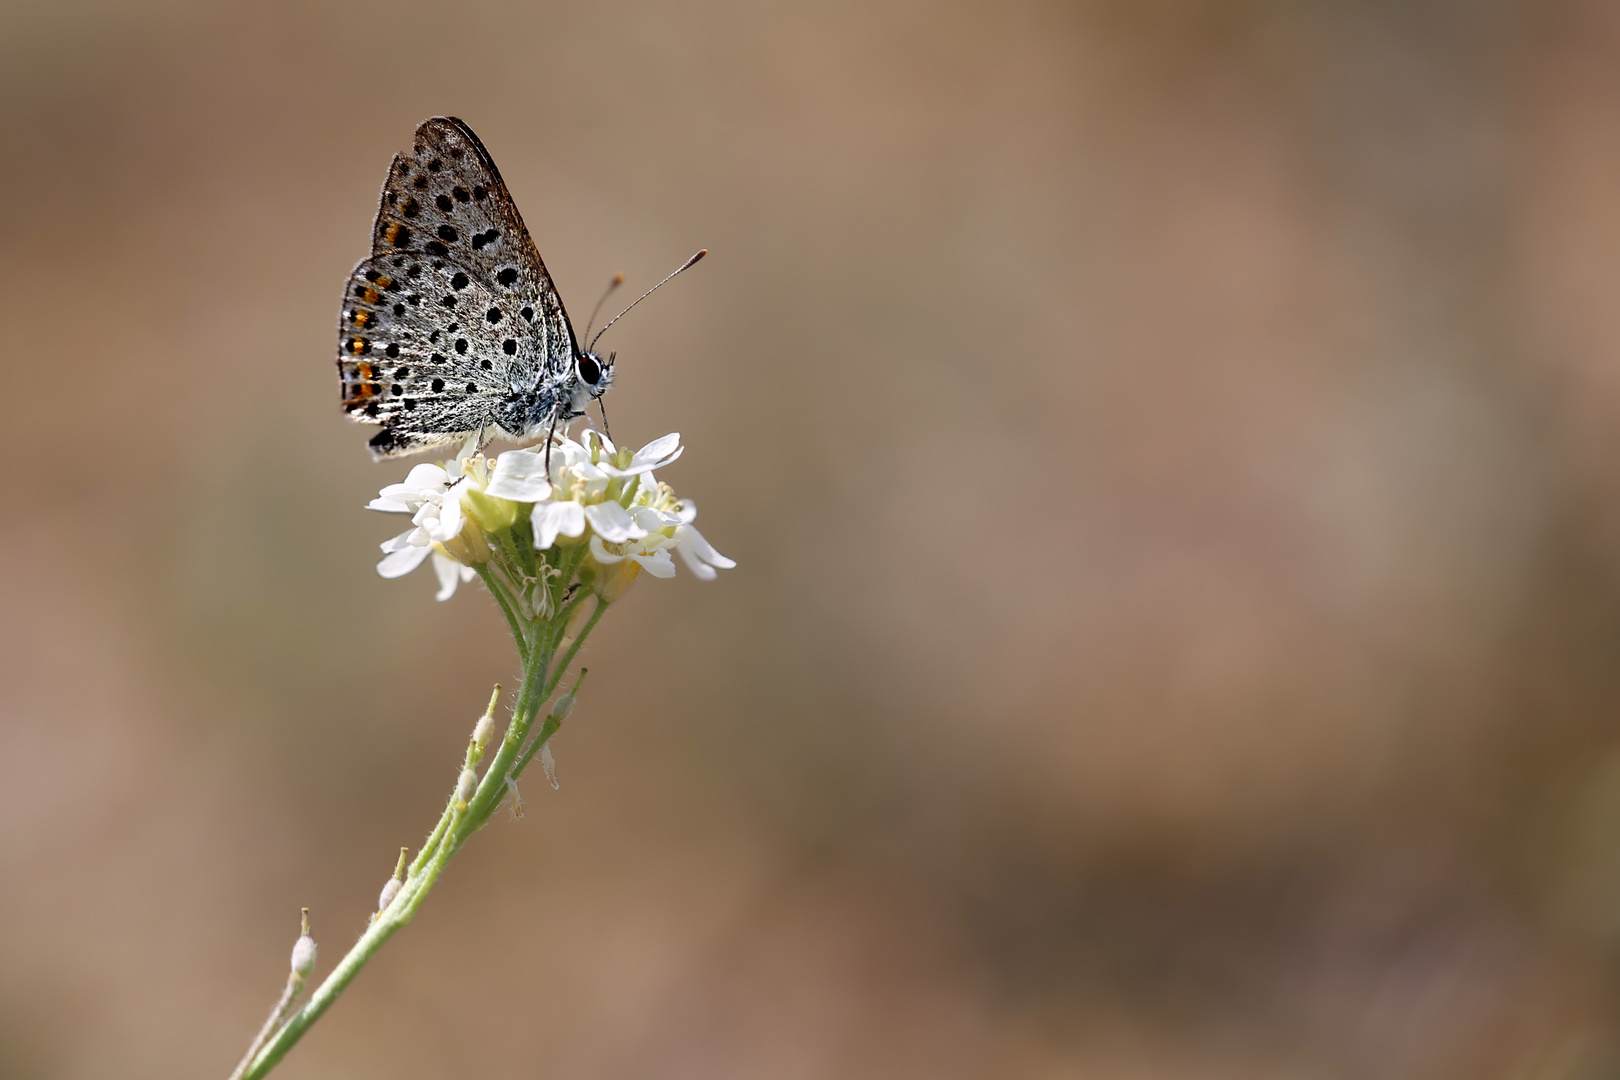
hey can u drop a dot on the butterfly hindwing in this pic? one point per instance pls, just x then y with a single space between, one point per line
418 354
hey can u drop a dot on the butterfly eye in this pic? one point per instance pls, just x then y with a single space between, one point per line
590 370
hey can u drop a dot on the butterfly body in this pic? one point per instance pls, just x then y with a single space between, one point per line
452 326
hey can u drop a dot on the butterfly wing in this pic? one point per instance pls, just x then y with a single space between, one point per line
454 311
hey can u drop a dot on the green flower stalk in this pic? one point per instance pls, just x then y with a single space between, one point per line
555 547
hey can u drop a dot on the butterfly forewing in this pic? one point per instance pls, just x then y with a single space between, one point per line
454 311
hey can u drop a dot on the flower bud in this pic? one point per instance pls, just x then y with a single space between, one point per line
488 512
303 954
485 727
612 581
563 707
466 785
468 547
391 888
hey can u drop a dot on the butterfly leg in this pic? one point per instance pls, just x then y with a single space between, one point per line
551 437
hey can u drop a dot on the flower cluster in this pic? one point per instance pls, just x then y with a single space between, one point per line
598 517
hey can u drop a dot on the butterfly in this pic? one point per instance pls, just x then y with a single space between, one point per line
452 327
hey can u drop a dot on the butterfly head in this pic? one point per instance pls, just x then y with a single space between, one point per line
595 373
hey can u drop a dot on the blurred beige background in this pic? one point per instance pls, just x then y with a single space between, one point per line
1172 450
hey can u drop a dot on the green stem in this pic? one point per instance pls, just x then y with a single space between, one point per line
554 632
493 786
387 923
549 728
537 644
456 824
431 845
568 657
295 984
508 604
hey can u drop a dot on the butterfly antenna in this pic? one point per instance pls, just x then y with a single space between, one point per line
603 410
687 265
618 279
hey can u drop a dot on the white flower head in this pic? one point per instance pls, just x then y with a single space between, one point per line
594 494
431 494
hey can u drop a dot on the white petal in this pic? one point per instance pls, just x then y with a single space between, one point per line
688 511
573 519
520 475
449 575
425 477
399 563
551 518
468 573
700 569
612 523
450 518
658 564
690 538
644 465
661 449
602 554
406 495
564 456
652 519
398 543
392 506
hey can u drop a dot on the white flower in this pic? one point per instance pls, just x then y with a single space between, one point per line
430 495
451 574
696 552
553 519
655 455
520 475
648 552
613 522
591 488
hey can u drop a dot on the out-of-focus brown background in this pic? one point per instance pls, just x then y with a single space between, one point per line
1172 451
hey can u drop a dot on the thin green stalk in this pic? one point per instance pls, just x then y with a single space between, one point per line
456 824
295 984
387 923
549 728
568 657
492 788
554 632
432 843
508 604
538 643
